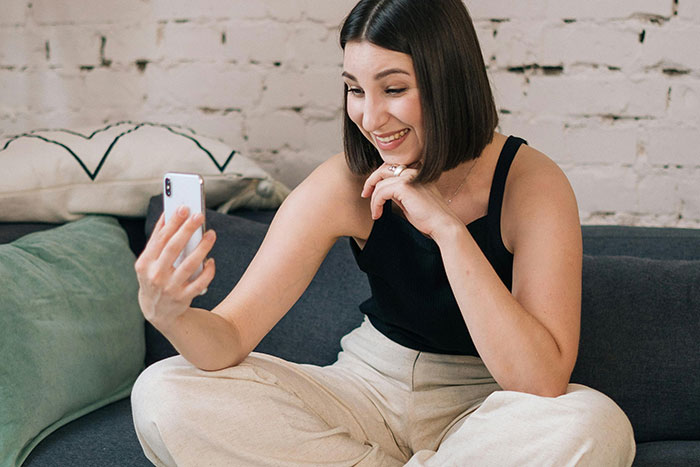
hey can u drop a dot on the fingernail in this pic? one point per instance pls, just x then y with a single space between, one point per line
198 217
182 211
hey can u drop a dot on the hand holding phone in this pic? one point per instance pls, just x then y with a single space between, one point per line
181 189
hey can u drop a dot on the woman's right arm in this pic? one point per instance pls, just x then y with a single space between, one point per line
323 208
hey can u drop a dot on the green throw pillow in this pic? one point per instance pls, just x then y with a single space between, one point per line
71 332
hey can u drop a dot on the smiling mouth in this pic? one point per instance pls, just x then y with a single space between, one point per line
390 138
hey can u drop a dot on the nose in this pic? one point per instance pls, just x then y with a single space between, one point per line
374 114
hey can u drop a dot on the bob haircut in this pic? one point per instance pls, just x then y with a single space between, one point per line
459 114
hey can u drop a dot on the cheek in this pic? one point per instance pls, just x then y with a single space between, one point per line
355 112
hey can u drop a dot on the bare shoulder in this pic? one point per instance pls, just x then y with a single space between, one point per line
538 199
330 199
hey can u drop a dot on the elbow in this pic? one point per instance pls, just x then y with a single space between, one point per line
545 386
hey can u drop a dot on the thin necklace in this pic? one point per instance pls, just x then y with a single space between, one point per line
462 183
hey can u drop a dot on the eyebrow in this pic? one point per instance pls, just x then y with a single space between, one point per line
381 74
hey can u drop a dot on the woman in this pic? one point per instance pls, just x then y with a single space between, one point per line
471 242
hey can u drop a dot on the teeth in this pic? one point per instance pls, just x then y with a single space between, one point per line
393 137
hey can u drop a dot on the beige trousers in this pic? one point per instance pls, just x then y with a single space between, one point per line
380 404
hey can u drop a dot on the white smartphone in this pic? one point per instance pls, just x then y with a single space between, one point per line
182 189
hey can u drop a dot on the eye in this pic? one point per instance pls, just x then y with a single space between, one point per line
355 91
395 91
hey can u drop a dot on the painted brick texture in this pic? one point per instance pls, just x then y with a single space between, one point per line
609 90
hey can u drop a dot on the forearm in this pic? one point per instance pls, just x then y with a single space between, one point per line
204 338
519 351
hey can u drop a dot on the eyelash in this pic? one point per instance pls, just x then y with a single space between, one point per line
392 91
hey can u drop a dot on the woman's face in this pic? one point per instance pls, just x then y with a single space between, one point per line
383 100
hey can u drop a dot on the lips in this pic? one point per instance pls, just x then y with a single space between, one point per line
390 141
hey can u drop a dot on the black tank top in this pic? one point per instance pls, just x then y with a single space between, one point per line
412 302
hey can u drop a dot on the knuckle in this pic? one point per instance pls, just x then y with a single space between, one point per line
155 278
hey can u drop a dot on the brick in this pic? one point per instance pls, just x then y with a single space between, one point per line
497 9
487 41
647 96
126 44
104 88
673 146
14 12
568 44
325 136
19 47
604 188
284 10
689 10
324 87
191 41
202 86
545 135
202 9
509 90
260 41
676 47
658 192
604 9
71 12
276 130
287 89
295 165
284 88
329 12
319 45
228 127
73 46
516 45
14 91
684 99
596 94
39 91
572 95
602 145
689 195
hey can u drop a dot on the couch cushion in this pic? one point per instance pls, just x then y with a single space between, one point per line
639 341
310 332
642 242
104 438
71 332
62 174
668 454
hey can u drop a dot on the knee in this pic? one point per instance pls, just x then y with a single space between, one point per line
154 393
601 432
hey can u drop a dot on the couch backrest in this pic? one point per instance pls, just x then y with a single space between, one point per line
640 326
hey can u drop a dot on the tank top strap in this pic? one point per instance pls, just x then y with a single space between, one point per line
498 185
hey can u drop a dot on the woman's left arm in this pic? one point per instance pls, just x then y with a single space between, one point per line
528 339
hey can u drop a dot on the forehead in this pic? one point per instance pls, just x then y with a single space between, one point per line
365 58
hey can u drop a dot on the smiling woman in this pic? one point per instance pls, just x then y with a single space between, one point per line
449 73
471 243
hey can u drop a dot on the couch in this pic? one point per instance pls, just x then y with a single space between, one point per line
640 335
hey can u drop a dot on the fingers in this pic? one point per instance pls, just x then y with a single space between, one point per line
201 283
383 185
176 243
383 172
191 263
162 232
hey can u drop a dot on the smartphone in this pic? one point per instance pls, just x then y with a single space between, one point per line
182 189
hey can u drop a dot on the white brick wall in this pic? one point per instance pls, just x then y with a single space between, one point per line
608 89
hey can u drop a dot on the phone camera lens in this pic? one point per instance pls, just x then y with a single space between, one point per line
167 187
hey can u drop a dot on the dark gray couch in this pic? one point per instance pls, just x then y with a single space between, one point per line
640 338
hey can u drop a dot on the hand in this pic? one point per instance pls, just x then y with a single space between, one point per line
422 204
166 292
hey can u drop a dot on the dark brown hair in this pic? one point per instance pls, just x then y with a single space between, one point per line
459 114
